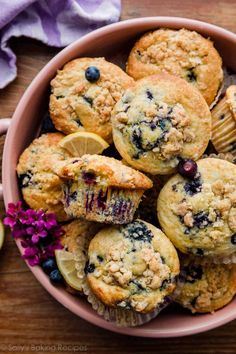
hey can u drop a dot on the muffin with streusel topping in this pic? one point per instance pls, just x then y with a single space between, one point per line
40 186
207 287
159 120
198 214
84 93
182 53
132 267
99 188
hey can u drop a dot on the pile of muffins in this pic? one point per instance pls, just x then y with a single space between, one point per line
171 210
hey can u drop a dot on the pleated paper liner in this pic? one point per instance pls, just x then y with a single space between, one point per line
222 156
229 79
129 318
223 128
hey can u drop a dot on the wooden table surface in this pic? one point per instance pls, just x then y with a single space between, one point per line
30 319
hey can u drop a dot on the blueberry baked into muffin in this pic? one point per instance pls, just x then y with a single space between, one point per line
207 287
102 189
182 53
198 212
84 93
159 120
224 123
41 187
132 267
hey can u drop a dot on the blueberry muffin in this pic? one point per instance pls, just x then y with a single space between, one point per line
83 95
198 212
75 240
182 53
40 186
207 287
224 123
100 188
132 267
158 120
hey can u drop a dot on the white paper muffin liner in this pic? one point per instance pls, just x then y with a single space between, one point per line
129 318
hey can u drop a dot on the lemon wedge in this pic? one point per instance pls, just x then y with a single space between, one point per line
2 233
66 265
81 143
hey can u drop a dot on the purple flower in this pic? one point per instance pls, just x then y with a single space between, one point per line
36 233
9 221
50 249
27 217
32 226
18 232
31 253
13 209
12 214
50 220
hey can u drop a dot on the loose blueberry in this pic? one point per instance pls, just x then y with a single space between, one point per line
49 265
187 168
56 277
92 74
233 239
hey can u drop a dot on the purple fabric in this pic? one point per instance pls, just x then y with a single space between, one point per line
54 22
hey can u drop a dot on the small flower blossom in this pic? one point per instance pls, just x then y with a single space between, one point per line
39 232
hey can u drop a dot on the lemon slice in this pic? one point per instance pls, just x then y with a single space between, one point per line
66 265
81 143
1 234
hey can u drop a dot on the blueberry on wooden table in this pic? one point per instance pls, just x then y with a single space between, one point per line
92 74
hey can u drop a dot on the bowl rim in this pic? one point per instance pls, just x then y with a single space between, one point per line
157 21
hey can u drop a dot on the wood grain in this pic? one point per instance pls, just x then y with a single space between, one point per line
31 320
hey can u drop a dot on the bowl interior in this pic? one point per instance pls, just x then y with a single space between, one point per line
114 43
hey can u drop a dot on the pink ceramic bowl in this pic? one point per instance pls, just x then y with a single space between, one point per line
113 42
